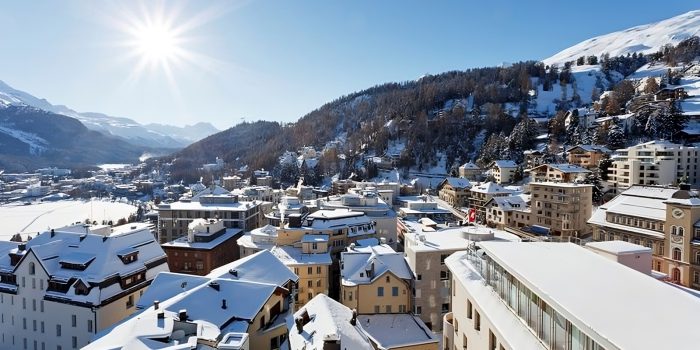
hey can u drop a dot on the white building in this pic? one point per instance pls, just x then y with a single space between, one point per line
654 163
503 171
537 295
62 287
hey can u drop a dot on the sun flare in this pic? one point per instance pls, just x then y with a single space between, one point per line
156 42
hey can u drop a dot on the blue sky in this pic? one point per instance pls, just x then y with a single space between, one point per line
278 60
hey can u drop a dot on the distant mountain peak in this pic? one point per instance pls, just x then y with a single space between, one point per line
645 39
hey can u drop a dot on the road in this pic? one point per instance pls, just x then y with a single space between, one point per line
456 212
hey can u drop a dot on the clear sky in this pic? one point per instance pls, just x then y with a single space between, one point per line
275 60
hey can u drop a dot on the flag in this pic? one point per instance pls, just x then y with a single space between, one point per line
472 215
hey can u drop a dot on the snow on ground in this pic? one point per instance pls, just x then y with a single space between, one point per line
691 105
42 216
36 143
114 166
585 77
648 38
395 147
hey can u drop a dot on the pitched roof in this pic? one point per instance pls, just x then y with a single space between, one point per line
470 165
504 164
509 203
379 259
564 168
456 182
489 187
327 320
262 267
591 148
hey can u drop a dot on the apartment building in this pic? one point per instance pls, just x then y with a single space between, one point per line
559 172
587 156
174 218
426 248
324 323
564 208
665 219
242 305
454 191
369 202
480 194
375 280
538 295
470 171
311 263
656 162
503 171
208 245
64 286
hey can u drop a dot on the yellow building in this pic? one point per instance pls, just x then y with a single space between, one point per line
375 280
455 191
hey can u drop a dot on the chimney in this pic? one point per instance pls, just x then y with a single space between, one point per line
156 303
234 272
300 325
161 315
382 240
52 233
223 304
183 315
353 320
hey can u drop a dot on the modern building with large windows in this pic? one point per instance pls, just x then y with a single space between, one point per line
538 295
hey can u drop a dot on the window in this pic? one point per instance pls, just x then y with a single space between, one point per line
442 258
419 310
419 277
445 307
74 342
492 341
388 309
310 270
376 309
469 309
130 302
477 321
318 270
58 330
676 254
388 279
32 269
309 283
380 291
74 321
394 291
444 275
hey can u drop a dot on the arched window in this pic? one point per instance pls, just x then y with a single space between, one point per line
676 275
680 231
676 255
673 230
32 269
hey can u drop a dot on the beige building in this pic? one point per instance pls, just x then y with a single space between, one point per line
242 305
64 286
311 262
557 173
537 295
587 156
508 211
665 219
470 171
503 171
654 163
480 194
324 324
174 218
375 280
564 208
426 248
454 191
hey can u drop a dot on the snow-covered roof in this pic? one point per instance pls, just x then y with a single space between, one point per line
562 275
263 267
504 164
395 331
470 165
183 242
563 167
591 148
618 247
378 259
215 306
314 238
93 258
489 187
509 203
328 320
456 182
450 238
180 205
293 256
212 190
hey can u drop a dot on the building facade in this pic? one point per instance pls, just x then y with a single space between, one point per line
654 163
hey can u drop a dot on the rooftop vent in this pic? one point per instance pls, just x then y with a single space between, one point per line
223 304
215 285
183 315
156 303
233 272
353 320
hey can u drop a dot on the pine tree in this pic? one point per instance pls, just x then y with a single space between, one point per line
616 136
651 86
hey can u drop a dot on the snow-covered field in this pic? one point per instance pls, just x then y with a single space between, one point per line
42 216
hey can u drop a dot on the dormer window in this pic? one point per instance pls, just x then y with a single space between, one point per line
128 256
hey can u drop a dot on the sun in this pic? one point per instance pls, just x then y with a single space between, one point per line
156 42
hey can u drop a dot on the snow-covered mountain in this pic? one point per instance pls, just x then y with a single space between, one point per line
152 135
646 39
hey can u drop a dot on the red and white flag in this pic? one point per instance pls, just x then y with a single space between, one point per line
472 215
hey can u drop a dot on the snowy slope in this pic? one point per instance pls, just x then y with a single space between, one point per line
646 39
166 136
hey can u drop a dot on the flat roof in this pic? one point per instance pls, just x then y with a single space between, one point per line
183 243
391 331
618 247
604 299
